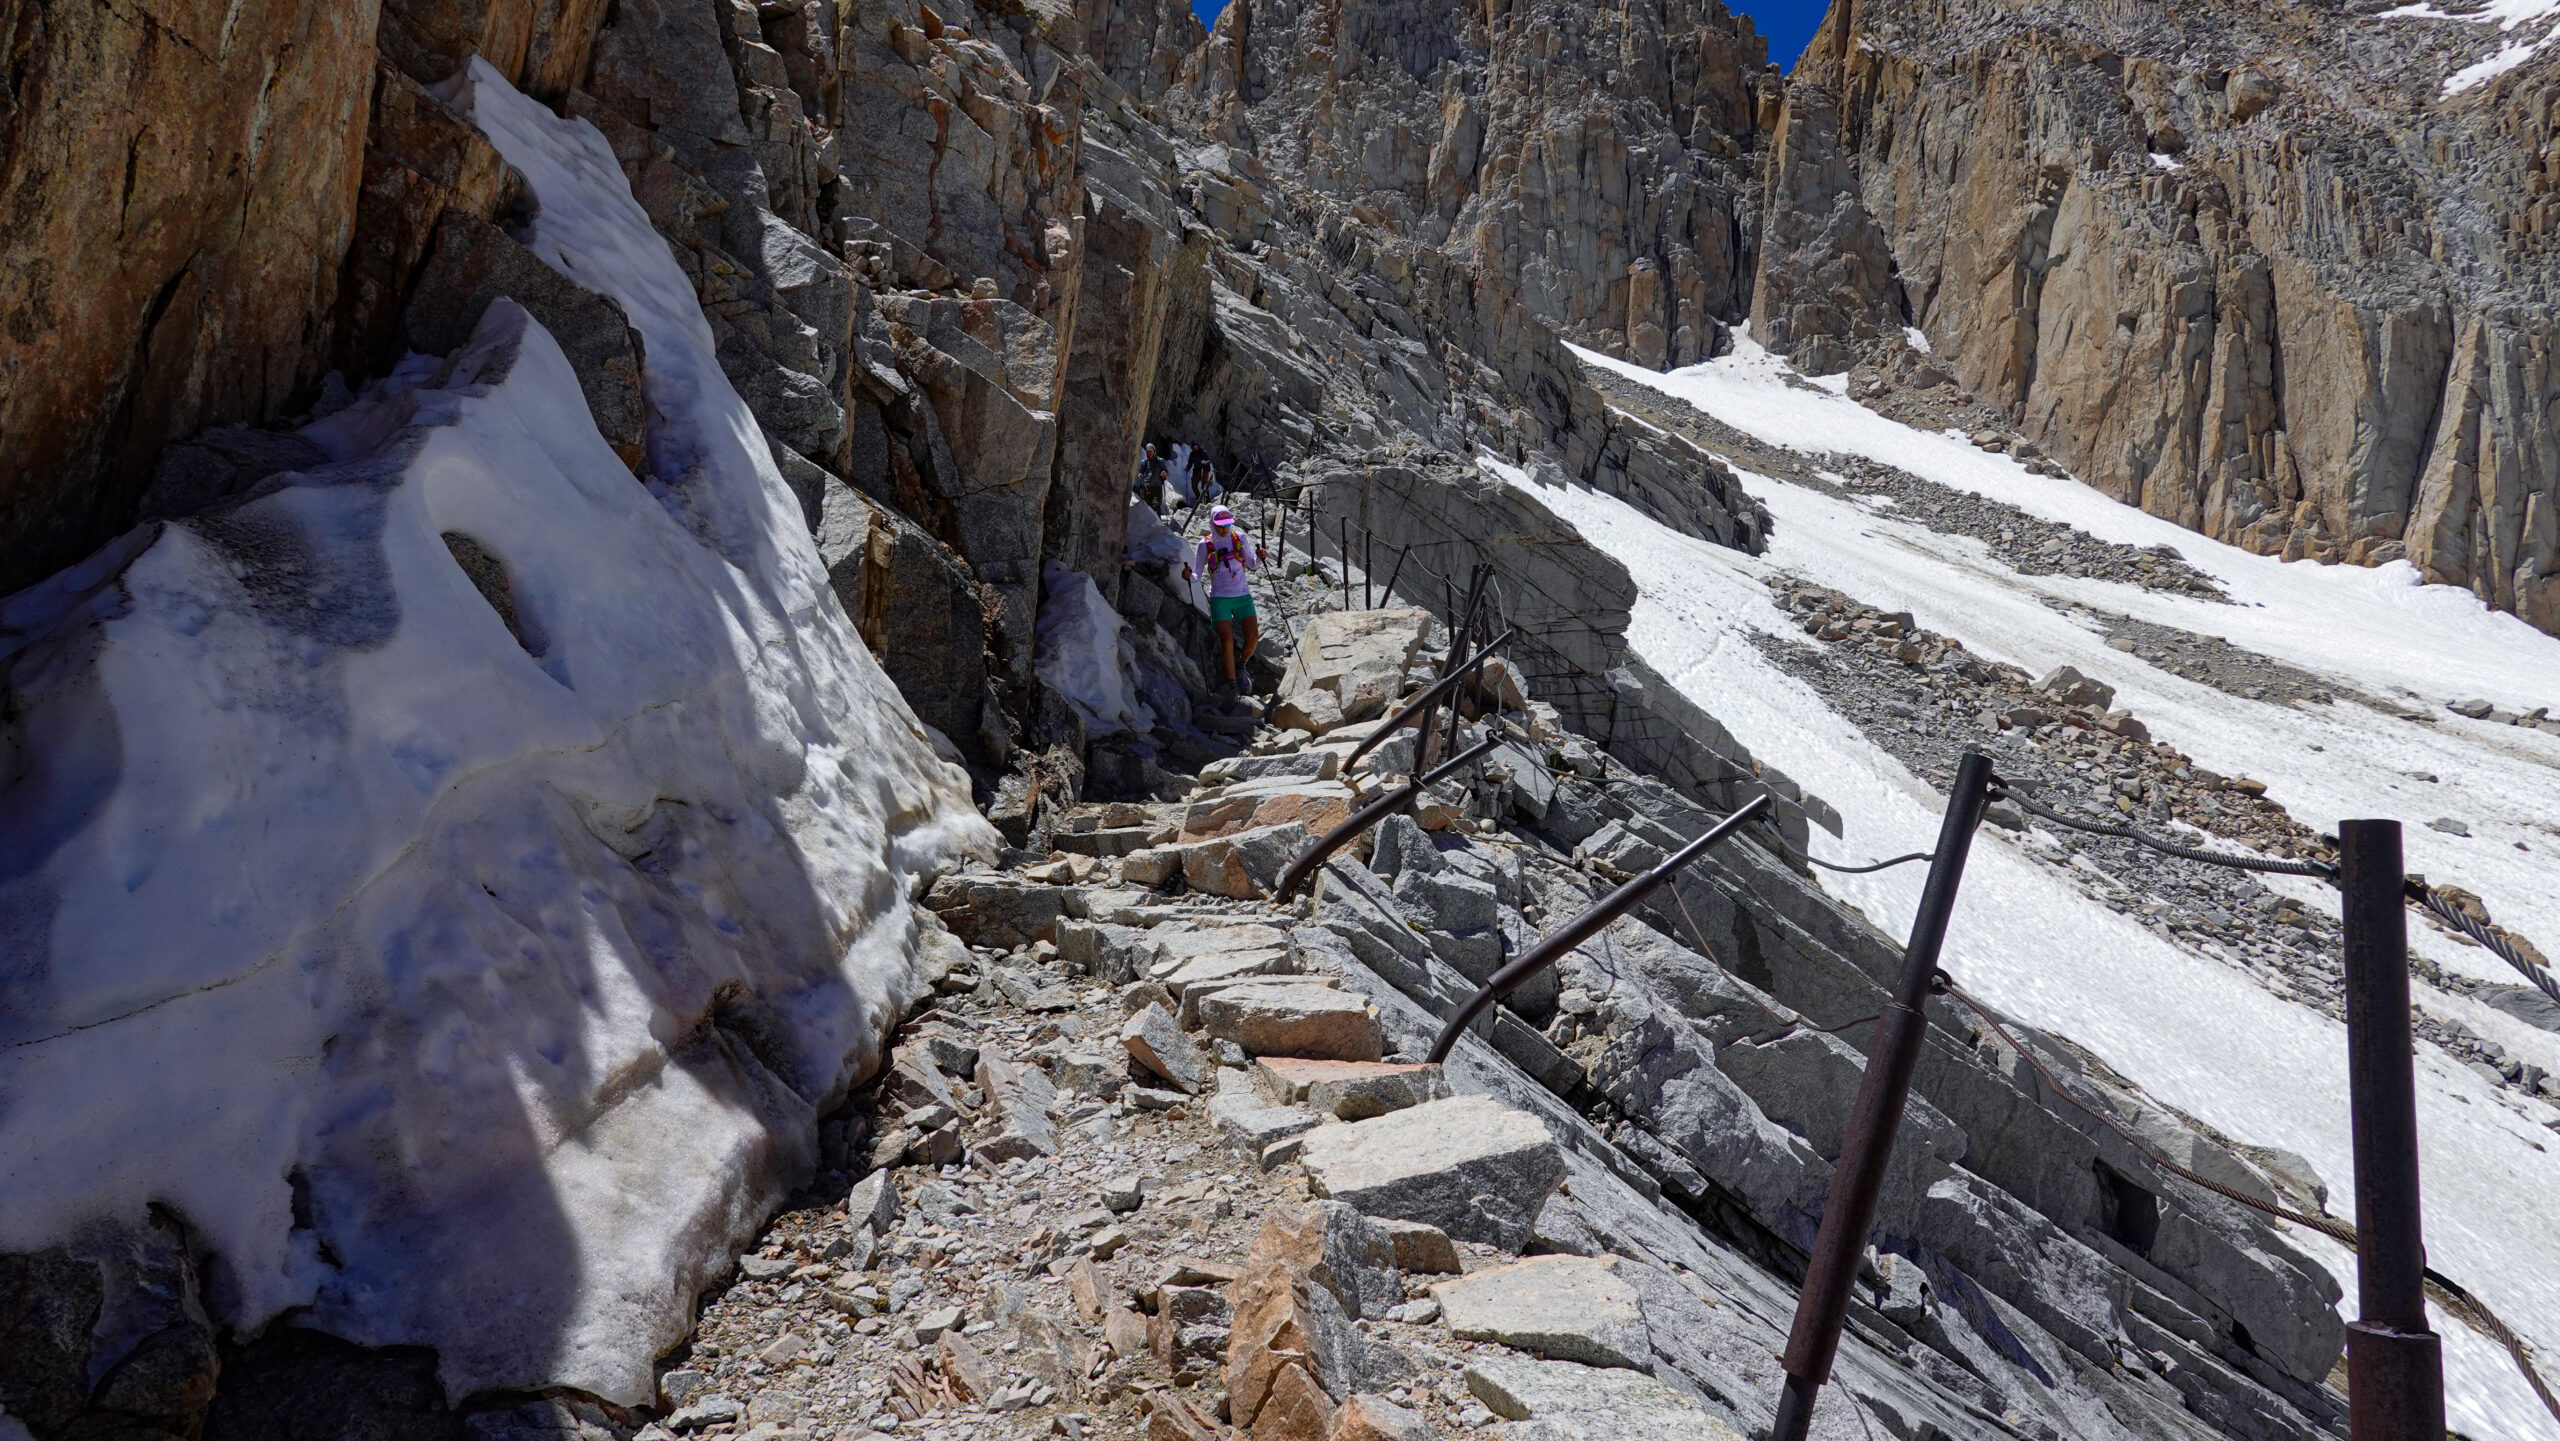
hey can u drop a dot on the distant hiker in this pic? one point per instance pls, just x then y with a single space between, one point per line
1204 476
1224 555
1151 478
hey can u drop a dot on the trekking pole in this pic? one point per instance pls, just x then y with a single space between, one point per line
1875 1115
2395 1365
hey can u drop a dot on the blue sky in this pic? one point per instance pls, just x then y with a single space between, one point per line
1787 23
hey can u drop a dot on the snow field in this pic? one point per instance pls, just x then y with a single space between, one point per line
2194 1032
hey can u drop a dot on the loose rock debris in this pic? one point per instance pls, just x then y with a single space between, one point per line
1159 1158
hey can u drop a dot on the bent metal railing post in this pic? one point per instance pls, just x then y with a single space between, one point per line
1369 815
1876 1114
1583 927
1422 749
1415 706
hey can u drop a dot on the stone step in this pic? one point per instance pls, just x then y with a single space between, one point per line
1349 1090
1588 1403
1565 1308
1470 1165
1294 1018
1108 844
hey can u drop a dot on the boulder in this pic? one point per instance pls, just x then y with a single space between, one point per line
874 1202
1315 712
2070 687
1473 1167
1283 1319
1357 659
1295 1410
914 1082
1317 805
1339 1249
1197 994
1585 1403
1021 1101
1189 1334
1240 1120
1417 1247
1216 968
1156 1043
1103 951
1315 765
1567 1308
1369 1417
1294 1019
1151 867
1244 865
1349 1090
988 908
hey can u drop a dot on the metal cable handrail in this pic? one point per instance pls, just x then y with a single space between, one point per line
1419 704
1583 927
2471 1309
1369 815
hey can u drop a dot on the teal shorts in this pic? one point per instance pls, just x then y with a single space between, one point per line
1231 607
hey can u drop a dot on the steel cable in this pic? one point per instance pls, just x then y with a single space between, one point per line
2419 893
2005 791
2422 894
2456 1299
2460 1302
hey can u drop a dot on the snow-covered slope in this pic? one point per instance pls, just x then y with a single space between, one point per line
2194 1031
473 987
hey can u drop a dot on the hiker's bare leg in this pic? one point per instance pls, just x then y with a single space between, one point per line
1252 643
1227 646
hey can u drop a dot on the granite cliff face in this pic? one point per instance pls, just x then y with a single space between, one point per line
2274 272
1600 161
162 268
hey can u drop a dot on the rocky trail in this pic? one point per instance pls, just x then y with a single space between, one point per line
1157 1156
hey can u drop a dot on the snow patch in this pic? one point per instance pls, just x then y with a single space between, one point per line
1917 338
473 986
2507 15
2498 62
1085 654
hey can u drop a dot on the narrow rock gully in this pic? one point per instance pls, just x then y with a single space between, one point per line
1157 1157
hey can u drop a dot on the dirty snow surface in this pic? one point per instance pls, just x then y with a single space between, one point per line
2190 1028
469 987
2525 28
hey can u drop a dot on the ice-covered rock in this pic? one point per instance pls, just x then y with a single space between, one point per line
451 879
1086 656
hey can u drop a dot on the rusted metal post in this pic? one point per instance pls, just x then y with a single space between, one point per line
1876 1115
1342 535
2395 1365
